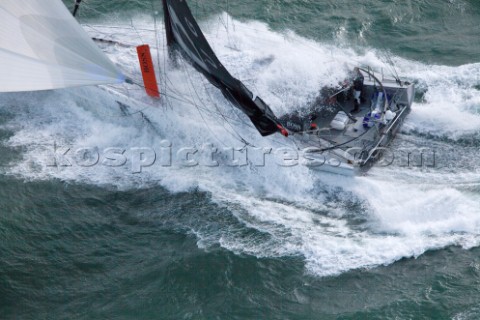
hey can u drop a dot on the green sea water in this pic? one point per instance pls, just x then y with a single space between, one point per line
75 248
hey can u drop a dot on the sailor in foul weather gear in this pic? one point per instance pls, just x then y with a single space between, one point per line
357 89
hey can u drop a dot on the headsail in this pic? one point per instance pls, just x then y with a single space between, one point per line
183 31
42 47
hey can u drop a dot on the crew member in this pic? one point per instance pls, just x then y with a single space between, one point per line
357 89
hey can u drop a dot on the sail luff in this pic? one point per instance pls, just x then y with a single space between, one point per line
168 26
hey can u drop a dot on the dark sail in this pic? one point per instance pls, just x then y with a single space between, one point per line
184 32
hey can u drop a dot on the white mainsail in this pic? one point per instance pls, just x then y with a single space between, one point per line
43 47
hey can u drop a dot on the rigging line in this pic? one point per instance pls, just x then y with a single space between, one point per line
228 7
238 136
184 100
155 27
172 87
155 13
337 146
394 69
124 107
141 86
190 102
239 117
116 89
108 114
234 134
144 116
179 97
136 31
276 140
294 141
196 106
390 63
234 110
138 84
219 112
390 68
233 131
225 24
169 85
171 97
208 127
166 57
115 27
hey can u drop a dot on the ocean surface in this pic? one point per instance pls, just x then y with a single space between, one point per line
85 236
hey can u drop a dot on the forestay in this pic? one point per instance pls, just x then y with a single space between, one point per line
43 47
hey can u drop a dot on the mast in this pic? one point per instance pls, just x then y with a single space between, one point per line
77 6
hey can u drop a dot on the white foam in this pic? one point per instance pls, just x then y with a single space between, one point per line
451 105
335 223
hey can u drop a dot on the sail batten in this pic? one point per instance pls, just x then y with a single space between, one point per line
184 33
43 47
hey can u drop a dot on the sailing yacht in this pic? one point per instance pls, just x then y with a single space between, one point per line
43 47
337 140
